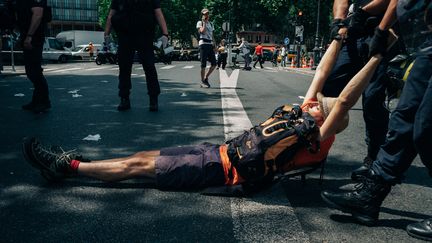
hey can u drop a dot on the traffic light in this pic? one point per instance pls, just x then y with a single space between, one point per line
300 17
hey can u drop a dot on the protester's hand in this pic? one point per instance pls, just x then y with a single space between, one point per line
378 43
357 24
27 43
164 40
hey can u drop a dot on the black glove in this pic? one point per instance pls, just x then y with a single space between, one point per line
356 28
378 43
334 29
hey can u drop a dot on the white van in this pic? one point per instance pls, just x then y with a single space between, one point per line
53 50
81 52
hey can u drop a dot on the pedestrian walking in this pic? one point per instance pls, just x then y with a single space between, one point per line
259 54
134 21
283 56
91 50
206 46
222 55
245 52
409 133
32 25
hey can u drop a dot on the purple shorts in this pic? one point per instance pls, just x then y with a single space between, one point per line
189 167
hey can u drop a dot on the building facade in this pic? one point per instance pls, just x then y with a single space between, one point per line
73 15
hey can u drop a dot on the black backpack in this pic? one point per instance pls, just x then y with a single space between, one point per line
260 153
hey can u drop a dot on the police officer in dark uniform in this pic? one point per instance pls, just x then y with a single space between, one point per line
32 25
134 21
358 29
410 130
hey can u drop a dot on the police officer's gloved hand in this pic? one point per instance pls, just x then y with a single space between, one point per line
356 28
378 43
164 40
334 29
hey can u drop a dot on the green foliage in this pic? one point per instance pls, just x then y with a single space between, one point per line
103 9
278 17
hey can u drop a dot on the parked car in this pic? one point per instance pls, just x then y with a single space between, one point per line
53 50
81 52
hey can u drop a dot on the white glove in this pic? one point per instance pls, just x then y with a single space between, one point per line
164 40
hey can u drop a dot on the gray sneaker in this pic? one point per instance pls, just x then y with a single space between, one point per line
205 84
52 161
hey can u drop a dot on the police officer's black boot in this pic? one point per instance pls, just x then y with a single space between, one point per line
124 104
362 171
421 230
153 103
364 202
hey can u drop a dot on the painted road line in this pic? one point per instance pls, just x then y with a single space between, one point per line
168 67
65 70
267 217
96 68
188 67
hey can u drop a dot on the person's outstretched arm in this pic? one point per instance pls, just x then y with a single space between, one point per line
323 70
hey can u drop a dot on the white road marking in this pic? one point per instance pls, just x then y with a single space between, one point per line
65 70
96 68
188 67
266 217
168 67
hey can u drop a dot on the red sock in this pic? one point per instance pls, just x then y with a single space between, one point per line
74 164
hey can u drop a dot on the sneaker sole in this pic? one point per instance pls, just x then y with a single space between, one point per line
45 172
363 219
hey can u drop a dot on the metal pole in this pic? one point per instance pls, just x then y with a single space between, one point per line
12 53
229 36
316 49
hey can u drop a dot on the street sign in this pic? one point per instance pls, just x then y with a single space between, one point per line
226 26
286 41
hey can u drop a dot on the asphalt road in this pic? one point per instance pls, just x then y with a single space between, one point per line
84 98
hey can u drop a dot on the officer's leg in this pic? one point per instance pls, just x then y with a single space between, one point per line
375 115
125 59
423 126
33 68
397 154
147 58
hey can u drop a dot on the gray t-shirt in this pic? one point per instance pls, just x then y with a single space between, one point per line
207 36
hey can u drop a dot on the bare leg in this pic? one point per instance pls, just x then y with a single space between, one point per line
153 153
210 71
202 73
139 164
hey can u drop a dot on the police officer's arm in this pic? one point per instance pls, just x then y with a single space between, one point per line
378 42
376 7
161 21
108 23
340 11
37 13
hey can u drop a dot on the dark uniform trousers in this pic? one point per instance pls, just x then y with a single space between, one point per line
351 59
410 127
126 51
33 68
